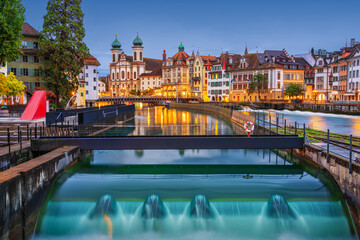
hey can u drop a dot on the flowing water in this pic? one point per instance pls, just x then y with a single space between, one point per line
192 194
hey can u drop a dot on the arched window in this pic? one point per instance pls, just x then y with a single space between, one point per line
117 75
140 56
134 75
134 56
113 75
128 75
113 57
118 57
135 86
122 74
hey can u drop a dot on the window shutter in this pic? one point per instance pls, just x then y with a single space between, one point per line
30 45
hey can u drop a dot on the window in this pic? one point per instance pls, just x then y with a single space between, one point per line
320 70
86 67
94 87
122 74
36 59
134 56
134 75
36 45
24 44
94 79
113 57
26 72
113 75
13 70
87 92
82 94
86 75
278 75
357 73
87 84
140 56
25 58
128 75
94 71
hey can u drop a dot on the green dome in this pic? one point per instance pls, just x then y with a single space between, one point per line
116 44
137 41
181 48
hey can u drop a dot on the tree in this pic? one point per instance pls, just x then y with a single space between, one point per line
10 86
259 84
148 92
11 24
133 92
62 47
294 90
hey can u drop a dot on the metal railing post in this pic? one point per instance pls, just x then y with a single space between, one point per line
328 147
350 160
9 141
277 125
270 124
285 128
27 131
304 136
18 134
35 130
295 128
20 140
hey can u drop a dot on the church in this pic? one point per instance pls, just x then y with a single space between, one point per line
125 71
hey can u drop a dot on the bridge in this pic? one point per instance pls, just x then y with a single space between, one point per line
117 100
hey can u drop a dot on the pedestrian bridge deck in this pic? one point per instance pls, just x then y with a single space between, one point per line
171 142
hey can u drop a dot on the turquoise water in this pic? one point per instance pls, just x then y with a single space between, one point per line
193 194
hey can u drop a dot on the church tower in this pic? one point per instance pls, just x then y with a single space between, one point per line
115 50
138 49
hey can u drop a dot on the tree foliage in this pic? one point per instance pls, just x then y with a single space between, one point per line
133 92
148 92
11 25
62 47
294 90
259 84
10 86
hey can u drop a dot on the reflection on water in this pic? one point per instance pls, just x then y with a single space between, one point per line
155 121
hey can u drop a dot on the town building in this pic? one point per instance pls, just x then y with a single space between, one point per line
353 74
26 67
218 82
89 82
280 69
198 74
125 70
175 74
151 80
102 87
308 62
3 68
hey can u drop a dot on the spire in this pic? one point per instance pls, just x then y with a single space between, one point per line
246 50
164 56
181 48
137 41
116 44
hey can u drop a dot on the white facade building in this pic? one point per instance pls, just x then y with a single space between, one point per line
3 68
102 87
218 88
89 81
354 73
322 79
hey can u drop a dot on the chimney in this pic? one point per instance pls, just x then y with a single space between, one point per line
164 56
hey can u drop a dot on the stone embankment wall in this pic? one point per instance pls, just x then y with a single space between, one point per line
24 187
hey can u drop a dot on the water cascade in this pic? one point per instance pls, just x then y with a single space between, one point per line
200 207
153 207
277 207
105 206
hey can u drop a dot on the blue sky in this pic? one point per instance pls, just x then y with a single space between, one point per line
212 26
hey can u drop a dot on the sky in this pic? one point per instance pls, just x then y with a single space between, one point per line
210 26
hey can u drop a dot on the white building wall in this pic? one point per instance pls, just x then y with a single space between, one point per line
91 82
354 73
3 68
150 82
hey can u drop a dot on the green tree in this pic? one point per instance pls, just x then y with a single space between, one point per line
148 92
133 92
259 84
294 90
62 47
11 25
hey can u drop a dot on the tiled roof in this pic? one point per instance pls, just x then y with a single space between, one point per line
29 30
301 61
150 63
208 58
91 60
182 56
156 72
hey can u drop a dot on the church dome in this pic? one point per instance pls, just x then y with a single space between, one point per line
116 44
181 48
137 41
